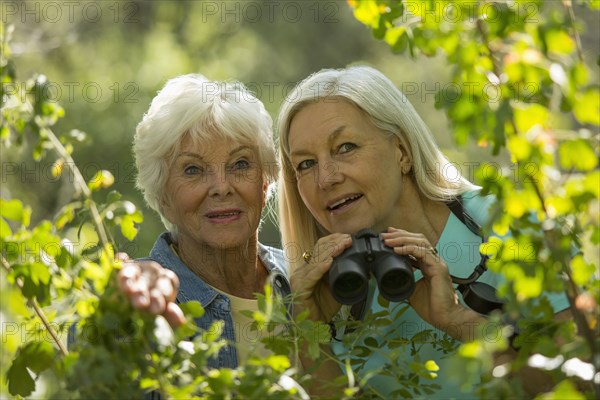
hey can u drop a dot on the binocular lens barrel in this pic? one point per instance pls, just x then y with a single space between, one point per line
349 282
395 278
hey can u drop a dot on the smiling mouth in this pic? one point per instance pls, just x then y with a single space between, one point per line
344 202
223 215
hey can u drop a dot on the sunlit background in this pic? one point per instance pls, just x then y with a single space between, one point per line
107 59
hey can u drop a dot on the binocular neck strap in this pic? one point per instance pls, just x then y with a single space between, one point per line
457 208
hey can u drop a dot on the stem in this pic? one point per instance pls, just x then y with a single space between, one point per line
572 291
40 313
495 66
569 6
81 184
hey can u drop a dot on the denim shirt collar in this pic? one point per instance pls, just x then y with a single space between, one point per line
192 287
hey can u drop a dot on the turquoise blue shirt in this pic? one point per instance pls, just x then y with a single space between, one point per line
459 247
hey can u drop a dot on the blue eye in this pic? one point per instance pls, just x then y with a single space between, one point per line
192 170
239 165
346 147
306 164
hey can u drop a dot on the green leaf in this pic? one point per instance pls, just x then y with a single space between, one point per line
559 42
564 390
128 228
113 196
102 179
15 211
192 308
367 12
577 154
5 230
19 379
582 271
36 356
587 107
526 117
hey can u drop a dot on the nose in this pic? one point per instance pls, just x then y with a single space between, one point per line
220 185
329 175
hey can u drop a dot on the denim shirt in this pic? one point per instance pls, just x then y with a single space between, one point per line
216 305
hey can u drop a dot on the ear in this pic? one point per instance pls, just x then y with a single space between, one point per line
403 156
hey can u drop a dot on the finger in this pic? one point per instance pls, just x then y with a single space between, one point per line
174 315
396 231
150 270
174 282
423 254
395 239
123 257
127 277
157 302
140 300
330 246
165 286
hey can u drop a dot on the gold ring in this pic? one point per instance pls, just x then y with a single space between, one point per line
307 256
433 251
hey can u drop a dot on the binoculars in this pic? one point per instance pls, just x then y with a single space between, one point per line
349 274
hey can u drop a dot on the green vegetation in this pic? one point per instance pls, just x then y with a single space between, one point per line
517 79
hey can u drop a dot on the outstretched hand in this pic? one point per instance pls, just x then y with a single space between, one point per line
151 288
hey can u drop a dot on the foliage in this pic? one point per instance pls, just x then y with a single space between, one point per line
520 82
69 263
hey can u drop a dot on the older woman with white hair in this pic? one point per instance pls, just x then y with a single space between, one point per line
355 154
205 156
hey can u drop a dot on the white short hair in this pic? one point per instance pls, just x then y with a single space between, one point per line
203 109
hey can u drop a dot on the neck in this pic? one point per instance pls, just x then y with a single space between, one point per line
418 214
234 270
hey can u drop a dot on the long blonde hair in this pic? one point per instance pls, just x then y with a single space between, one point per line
389 110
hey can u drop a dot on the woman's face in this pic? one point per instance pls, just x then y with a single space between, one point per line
349 172
215 193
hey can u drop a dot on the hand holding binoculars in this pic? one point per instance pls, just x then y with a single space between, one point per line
350 273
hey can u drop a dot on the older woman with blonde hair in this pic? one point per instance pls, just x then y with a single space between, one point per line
355 154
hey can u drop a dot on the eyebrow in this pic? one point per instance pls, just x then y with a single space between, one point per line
196 155
332 136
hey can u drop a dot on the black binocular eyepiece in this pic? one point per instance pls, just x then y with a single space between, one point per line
350 271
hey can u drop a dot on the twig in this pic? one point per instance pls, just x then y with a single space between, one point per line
80 182
40 313
569 6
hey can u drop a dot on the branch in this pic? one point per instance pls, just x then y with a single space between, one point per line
495 66
81 184
569 6
40 313
571 289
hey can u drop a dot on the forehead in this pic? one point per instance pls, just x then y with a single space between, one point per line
327 110
214 146
324 119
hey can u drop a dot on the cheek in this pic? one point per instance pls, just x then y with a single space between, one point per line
187 199
305 194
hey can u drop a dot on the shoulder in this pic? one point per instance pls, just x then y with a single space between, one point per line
478 206
273 258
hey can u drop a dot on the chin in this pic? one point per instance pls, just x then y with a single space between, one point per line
349 228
